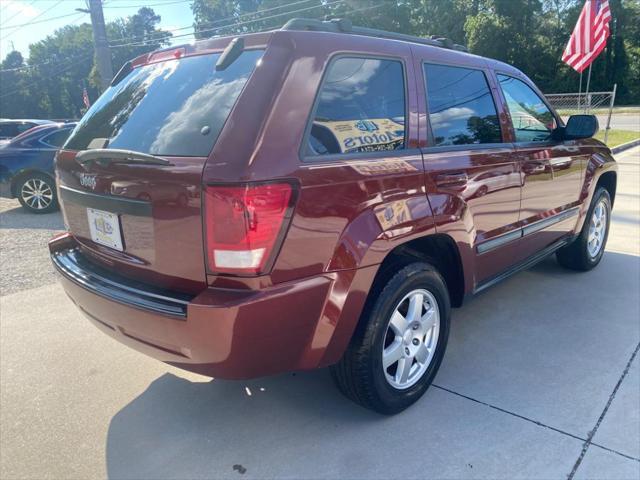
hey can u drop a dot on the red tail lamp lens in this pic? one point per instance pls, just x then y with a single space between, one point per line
243 224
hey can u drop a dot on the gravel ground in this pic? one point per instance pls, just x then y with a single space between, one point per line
24 257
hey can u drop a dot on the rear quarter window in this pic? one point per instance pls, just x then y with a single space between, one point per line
360 108
172 108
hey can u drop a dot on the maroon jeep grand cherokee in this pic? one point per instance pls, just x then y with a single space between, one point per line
319 195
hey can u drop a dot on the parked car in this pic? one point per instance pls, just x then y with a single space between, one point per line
26 166
10 128
344 248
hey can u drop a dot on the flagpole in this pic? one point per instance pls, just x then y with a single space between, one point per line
580 93
587 91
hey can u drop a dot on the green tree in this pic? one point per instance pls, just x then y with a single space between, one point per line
529 34
50 84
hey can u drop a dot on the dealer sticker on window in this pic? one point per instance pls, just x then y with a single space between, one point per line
105 228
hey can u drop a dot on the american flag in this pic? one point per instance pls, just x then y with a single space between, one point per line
85 97
589 36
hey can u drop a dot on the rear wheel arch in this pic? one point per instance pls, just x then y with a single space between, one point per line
438 250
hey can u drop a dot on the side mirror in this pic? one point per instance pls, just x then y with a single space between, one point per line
581 126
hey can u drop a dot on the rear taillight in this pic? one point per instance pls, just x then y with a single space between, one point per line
244 225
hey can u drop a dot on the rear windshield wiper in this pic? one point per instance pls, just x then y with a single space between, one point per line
105 156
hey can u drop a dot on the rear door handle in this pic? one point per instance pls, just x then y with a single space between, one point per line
451 179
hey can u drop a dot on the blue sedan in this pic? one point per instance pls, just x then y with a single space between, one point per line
26 166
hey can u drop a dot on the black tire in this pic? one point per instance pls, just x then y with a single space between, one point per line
28 184
576 255
360 375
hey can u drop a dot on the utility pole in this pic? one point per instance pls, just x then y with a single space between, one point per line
100 42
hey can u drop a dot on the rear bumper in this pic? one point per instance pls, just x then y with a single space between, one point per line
222 333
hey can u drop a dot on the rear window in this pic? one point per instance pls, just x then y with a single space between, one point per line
173 108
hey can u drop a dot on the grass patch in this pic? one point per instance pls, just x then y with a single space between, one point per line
617 137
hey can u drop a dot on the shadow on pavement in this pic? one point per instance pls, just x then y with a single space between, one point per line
19 218
217 428
206 429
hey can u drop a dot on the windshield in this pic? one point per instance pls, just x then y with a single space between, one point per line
173 108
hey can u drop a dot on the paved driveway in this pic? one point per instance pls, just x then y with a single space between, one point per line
541 380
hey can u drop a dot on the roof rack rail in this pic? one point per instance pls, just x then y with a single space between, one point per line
343 25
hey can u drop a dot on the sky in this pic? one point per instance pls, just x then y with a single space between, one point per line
175 14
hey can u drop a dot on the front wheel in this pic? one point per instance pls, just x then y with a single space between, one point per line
37 193
586 251
397 349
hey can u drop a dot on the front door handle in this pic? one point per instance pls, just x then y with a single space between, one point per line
451 179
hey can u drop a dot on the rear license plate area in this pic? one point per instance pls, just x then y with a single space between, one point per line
105 228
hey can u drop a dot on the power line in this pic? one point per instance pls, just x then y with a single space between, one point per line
257 12
248 14
236 17
36 65
40 21
218 28
148 5
57 72
237 24
18 12
34 18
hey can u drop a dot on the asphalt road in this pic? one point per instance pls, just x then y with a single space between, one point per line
621 121
541 380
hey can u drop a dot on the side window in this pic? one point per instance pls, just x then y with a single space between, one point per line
9 130
461 108
57 139
23 127
532 120
361 108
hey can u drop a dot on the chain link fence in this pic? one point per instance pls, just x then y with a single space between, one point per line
596 103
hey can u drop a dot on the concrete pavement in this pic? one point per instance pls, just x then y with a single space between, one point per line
541 380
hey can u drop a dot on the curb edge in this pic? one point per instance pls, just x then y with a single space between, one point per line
625 146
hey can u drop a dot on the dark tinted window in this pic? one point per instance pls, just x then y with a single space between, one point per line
176 107
532 120
361 108
461 108
10 130
57 138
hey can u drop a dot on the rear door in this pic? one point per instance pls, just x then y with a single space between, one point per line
471 171
140 218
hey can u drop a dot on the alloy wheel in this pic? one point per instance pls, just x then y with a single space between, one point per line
37 194
597 229
411 339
